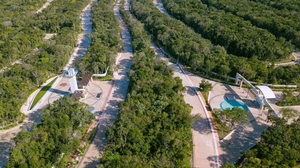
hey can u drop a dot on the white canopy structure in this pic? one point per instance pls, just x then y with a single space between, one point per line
267 92
263 93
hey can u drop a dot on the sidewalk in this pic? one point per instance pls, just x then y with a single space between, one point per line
93 153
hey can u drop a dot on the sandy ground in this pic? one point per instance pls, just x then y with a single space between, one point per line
93 153
49 36
83 41
44 6
33 116
57 91
15 62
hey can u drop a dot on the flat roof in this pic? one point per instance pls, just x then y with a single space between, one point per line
267 92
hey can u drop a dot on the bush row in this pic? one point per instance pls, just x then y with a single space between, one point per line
153 128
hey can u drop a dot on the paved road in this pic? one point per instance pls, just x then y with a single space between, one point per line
206 144
57 91
96 148
297 60
205 153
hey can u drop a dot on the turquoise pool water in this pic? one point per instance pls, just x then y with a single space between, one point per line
233 103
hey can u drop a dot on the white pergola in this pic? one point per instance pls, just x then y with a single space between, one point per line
266 92
263 92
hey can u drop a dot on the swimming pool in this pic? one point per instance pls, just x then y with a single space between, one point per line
233 103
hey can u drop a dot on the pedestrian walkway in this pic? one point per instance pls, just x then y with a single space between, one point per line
206 144
93 153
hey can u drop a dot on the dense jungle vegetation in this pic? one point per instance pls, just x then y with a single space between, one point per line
51 142
282 4
290 98
16 39
235 34
153 128
201 55
20 80
279 147
105 37
282 23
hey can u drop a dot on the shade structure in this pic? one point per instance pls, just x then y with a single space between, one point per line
267 92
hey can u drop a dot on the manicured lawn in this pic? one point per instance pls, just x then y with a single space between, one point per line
42 92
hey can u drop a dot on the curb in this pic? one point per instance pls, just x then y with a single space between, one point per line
212 125
209 117
55 81
95 122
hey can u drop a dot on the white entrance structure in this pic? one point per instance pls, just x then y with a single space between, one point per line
263 93
74 91
71 74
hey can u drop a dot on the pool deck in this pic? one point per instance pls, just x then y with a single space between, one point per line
245 136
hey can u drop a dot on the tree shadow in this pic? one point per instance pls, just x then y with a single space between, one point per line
242 140
190 90
92 162
214 161
108 115
97 145
201 126
5 148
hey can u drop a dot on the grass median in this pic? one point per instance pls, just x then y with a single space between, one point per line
41 93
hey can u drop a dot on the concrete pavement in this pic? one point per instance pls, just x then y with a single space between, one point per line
93 153
206 143
57 91
206 151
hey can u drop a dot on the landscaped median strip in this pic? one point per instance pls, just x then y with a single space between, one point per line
41 93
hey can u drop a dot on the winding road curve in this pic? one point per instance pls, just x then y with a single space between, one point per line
33 116
93 153
206 143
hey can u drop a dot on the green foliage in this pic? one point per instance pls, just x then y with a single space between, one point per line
222 128
42 92
153 128
205 86
234 117
62 126
228 165
281 23
289 113
289 98
105 37
235 34
201 55
23 118
284 5
16 39
40 58
279 147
